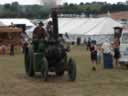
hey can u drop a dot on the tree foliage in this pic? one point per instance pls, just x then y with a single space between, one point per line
15 10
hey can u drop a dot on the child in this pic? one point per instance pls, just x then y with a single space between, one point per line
93 53
3 47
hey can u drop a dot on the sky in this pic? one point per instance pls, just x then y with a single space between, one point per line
69 1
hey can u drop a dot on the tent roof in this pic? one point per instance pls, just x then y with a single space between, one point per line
87 26
10 29
8 21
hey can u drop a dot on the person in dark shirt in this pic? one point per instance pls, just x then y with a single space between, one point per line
116 46
12 50
39 32
93 53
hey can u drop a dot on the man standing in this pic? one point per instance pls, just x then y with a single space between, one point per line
93 53
116 45
24 39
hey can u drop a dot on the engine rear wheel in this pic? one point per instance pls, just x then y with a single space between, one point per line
30 72
72 70
44 69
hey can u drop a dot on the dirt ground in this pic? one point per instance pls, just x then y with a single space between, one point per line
14 81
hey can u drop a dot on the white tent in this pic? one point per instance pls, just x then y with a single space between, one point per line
1 24
75 27
8 21
99 29
87 26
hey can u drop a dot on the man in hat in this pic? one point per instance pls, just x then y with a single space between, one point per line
39 32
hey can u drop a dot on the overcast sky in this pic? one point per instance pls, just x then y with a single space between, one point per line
69 1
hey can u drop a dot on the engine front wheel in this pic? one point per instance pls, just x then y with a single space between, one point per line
26 60
60 68
72 70
60 73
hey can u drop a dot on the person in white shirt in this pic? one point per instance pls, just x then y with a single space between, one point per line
24 40
107 55
106 48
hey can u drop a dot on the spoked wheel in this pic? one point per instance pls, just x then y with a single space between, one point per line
72 70
44 69
26 59
30 65
60 68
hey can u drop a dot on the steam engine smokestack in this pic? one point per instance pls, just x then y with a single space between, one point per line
55 22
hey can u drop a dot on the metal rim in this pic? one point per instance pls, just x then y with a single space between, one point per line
72 70
30 68
44 70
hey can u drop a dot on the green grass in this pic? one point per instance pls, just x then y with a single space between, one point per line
14 82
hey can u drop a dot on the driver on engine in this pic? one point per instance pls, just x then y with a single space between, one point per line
39 32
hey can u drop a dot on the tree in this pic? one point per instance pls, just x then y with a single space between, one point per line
65 4
81 3
7 6
14 6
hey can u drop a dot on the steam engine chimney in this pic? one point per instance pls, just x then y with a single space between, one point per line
55 22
